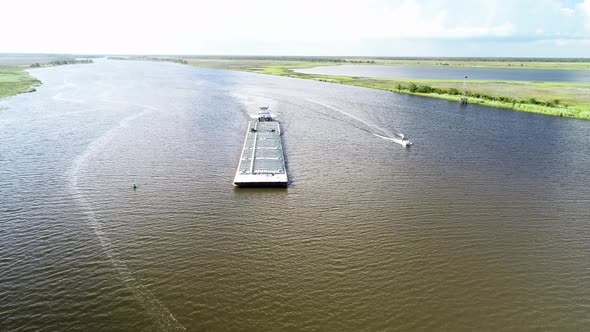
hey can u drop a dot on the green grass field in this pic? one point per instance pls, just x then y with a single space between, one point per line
574 98
15 80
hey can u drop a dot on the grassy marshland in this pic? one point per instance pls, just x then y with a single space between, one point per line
557 99
15 80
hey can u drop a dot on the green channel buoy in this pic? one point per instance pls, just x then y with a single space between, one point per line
134 186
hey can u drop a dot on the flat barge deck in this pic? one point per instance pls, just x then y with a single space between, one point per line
262 163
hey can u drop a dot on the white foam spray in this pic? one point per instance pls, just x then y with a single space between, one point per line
393 139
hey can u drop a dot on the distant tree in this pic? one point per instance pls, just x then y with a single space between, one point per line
424 89
412 87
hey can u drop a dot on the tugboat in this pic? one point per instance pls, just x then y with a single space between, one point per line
264 114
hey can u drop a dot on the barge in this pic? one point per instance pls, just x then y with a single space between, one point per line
262 163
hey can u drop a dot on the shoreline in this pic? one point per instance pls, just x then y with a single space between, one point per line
16 79
560 99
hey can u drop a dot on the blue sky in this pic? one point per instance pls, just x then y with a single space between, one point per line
542 28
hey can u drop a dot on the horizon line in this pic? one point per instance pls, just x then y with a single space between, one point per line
401 57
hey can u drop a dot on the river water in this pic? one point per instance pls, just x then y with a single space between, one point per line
453 73
481 225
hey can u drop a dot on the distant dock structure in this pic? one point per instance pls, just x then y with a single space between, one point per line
464 95
262 163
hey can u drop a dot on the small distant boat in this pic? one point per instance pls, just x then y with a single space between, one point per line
404 141
398 138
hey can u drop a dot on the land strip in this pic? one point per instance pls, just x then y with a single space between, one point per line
14 79
565 99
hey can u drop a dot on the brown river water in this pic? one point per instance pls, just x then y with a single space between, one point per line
483 224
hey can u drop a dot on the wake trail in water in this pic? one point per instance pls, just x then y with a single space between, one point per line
253 102
393 139
382 133
163 318
59 96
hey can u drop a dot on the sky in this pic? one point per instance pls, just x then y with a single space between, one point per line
477 28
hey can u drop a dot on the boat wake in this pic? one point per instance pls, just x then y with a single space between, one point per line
163 318
59 96
373 129
398 138
252 102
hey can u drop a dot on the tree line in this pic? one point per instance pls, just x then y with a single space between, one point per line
283 58
64 61
147 58
413 88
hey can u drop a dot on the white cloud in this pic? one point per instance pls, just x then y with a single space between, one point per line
584 8
412 20
260 26
567 11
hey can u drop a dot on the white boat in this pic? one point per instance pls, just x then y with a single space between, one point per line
404 141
